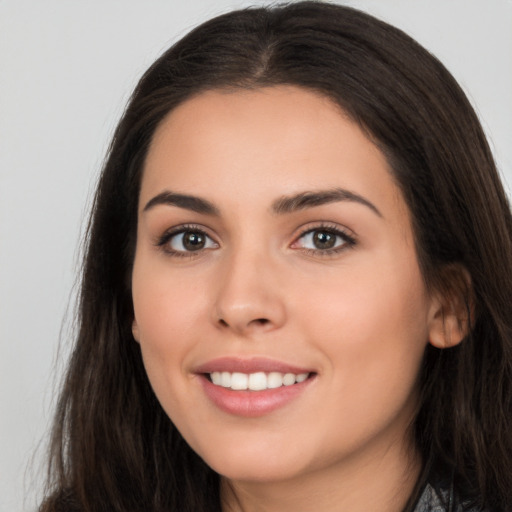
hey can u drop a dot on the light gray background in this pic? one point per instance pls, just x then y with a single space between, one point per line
66 70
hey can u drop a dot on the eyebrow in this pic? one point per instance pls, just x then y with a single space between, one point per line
310 199
283 205
193 203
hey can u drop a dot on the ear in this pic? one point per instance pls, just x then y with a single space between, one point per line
135 331
452 308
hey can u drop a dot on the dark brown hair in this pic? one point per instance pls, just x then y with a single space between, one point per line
113 447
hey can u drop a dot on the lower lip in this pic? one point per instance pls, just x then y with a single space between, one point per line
251 404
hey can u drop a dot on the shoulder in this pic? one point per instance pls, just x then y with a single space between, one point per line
443 498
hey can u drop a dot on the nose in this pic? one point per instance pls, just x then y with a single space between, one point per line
249 296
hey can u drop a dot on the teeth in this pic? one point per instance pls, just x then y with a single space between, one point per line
288 379
216 378
274 380
256 381
239 380
225 379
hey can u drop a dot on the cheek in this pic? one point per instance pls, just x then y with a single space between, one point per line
165 305
168 314
372 324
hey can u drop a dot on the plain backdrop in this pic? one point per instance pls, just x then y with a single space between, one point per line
66 71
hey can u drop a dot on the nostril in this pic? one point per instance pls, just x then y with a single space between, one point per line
256 321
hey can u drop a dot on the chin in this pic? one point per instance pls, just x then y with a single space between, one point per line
257 473
253 463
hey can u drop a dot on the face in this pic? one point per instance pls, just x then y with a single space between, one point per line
278 302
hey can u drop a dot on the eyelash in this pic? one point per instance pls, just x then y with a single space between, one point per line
348 240
163 241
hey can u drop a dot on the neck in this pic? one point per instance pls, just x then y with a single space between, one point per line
379 481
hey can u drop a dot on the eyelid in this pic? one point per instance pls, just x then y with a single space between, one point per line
347 235
163 240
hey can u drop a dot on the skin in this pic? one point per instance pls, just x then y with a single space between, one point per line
360 317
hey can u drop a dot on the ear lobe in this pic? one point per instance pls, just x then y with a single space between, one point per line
446 330
451 315
135 331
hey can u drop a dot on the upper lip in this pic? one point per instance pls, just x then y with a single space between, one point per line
251 365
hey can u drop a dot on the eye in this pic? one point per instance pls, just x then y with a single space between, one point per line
326 240
186 240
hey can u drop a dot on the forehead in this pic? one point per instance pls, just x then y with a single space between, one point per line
264 142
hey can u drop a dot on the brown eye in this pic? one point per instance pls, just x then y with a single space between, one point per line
188 241
193 241
324 240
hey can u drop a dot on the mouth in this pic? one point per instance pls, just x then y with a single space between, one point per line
258 381
253 387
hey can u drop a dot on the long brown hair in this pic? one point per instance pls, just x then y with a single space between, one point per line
113 447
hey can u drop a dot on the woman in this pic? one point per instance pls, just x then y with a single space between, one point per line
297 286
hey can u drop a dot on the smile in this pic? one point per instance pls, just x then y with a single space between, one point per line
258 381
253 387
